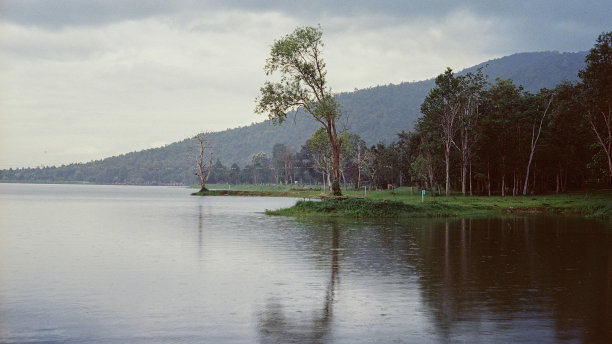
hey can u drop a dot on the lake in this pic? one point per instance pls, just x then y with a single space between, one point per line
129 264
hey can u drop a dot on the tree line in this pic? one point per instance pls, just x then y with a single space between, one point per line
497 138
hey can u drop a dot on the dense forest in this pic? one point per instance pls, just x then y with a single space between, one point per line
376 154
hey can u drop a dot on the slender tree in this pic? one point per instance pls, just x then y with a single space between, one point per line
204 167
442 105
303 84
534 141
472 86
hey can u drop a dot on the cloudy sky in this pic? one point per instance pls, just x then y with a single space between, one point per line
83 80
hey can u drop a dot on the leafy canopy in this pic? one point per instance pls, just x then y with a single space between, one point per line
297 57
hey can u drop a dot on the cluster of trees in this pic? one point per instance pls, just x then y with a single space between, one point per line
375 167
486 139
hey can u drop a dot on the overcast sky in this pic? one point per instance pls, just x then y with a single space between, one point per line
83 80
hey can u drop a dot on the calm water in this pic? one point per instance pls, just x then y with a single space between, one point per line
119 264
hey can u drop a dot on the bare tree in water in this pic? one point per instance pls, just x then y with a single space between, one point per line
204 167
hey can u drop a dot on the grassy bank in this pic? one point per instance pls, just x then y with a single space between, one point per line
406 202
403 204
447 207
373 208
265 190
264 193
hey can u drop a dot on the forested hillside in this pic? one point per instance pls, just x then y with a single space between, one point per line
376 114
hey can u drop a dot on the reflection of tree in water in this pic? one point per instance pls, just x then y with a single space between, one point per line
495 274
275 327
200 228
479 279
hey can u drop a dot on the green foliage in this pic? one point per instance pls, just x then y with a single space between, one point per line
595 94
597 75
297 57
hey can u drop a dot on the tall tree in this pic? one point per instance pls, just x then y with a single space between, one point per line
303 84
472 86
596 93
443 105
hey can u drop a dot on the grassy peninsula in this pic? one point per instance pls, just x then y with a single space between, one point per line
261 190
406 202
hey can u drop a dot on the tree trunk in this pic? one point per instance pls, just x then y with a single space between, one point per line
534 142
359 161
471 177
447 161
464 175
336 144
430 170
324 185
464 162
489 176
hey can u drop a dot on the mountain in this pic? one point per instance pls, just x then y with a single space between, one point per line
376 114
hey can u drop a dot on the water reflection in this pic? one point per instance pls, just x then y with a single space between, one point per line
508 279
200 225
275 327
506 272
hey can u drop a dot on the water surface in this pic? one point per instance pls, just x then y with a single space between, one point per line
119 264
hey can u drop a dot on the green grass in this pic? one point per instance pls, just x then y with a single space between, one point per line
373 209
404 203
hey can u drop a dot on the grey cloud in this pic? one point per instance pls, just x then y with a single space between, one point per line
60 13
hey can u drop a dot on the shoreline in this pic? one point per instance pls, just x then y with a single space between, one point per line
384 204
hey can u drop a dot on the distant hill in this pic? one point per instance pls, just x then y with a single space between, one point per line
376 114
